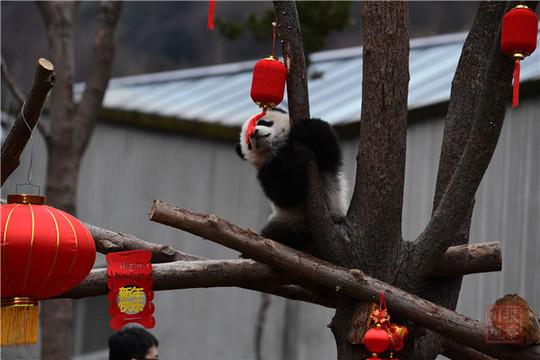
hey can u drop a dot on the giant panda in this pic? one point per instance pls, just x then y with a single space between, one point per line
280 154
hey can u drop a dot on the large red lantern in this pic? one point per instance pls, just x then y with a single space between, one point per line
45 252
268 82
518 39
267 87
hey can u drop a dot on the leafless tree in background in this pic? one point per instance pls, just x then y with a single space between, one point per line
366 254
71 126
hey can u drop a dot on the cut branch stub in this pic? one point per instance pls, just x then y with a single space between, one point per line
21 131
352 283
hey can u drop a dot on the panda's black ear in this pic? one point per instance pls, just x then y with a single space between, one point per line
238 149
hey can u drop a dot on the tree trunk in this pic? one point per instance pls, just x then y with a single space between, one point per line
70 131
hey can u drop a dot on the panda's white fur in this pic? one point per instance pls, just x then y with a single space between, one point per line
272 134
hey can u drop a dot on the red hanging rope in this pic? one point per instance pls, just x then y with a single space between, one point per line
252 124
515 95
211 12
382 301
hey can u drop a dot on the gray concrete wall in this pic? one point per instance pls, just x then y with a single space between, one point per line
125 169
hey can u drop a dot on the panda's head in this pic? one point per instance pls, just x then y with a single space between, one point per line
271 133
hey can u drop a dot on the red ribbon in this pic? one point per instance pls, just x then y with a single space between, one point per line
515 95
211 12
253 124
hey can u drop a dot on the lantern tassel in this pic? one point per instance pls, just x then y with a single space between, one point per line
253 124
211 12
19 323
515 95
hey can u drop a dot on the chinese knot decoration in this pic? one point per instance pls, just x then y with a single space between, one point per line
130 288
383 336
518 39
267 84
45 252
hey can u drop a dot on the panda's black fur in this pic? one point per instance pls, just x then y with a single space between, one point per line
280 153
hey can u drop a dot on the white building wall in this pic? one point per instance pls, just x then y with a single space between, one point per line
125 169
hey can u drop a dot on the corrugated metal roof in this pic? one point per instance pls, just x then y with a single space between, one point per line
220 94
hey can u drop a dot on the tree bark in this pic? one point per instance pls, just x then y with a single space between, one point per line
352 283
209 273
21 131
288 28
459 352
376 205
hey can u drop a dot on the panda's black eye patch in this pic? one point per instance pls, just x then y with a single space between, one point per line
265 123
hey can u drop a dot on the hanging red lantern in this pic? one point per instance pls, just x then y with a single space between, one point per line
45 252
518 39
267 88
268 83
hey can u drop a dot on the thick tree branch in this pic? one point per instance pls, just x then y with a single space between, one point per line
21 131
466 89
458 260
109 241
209 273
327 243
456 201
288 28
456 351
376 205
100 72
353 283
19 98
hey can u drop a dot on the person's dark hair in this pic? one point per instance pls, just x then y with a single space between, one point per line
130 343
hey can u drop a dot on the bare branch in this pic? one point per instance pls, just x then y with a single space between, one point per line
456 351
288 28
458 260
466 88
100 72
8 79
324 232
469 259
108 241
208 273
455 203
17 93
21 131
376 205
259 326
353 283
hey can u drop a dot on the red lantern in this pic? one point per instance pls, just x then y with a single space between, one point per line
45 252
518 39
268 83
267 87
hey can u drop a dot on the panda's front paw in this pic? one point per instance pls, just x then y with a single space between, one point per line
303 153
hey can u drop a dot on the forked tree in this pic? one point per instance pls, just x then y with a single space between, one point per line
355 260
68 133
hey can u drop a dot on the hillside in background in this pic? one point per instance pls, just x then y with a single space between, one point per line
158 36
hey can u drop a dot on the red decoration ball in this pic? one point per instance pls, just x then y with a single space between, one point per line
519 31
376 340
